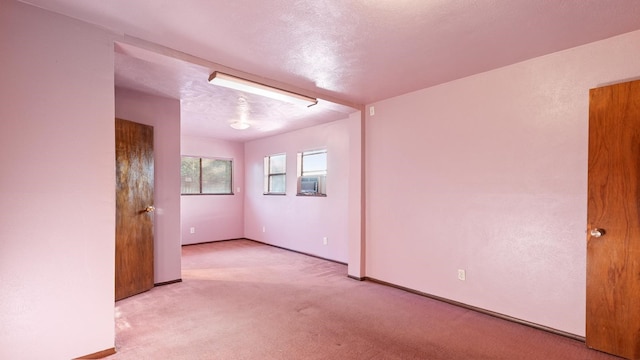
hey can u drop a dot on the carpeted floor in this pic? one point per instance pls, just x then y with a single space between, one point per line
245 300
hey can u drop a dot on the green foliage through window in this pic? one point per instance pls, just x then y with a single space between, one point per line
206 176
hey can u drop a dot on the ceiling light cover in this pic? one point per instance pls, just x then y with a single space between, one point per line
233 82
240 125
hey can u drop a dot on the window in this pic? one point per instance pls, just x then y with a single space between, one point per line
206 176
312 173
275 171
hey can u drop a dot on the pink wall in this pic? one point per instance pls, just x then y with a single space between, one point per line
214 217
294 222
356 205
164 115
56 185
488 174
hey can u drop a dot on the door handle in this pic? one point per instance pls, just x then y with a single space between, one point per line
597 232
150 208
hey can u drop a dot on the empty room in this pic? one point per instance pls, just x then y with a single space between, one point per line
320 179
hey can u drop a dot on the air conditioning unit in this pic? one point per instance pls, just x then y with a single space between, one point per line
309 185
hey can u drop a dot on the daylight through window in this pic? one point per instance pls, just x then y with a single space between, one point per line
206 176
275 173
312 173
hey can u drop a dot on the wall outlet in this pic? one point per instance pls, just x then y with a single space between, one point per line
264 229
324 241
192 230
462 275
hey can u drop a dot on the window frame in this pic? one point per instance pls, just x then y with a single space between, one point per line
200 177
321 175
268 175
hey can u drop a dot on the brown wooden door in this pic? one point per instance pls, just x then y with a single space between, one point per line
613 216
134 208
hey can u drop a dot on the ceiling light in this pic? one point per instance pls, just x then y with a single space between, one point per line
240 125
232 82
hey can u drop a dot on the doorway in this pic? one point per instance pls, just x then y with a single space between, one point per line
134 208
613 220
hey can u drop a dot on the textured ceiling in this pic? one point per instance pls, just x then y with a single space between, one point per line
357 52
208 110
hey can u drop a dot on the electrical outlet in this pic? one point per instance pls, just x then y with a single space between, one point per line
462 275
192 230
324 241
264 229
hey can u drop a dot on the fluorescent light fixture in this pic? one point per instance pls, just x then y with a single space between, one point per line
240 125
232 82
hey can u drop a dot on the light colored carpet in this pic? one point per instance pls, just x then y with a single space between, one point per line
245 300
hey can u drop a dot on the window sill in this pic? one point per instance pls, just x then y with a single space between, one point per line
311 195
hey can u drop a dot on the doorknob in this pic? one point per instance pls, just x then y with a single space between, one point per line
150 208
597 232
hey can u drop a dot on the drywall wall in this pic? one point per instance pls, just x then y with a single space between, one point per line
214 217
300 222
164 115
56 186
356 204
489 174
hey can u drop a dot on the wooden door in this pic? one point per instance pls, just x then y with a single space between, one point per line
134 208
613 216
